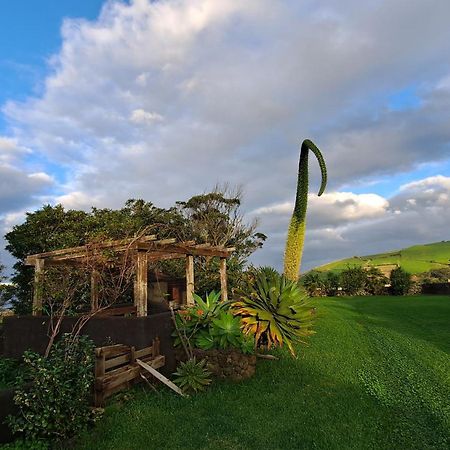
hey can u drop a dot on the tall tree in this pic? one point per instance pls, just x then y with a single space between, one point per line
296 231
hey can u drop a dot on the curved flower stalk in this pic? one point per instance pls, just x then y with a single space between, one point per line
296 231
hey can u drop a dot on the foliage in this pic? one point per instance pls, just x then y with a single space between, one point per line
215 216
376 281
313 283
273 310
192 376
210 325
400 281
296 231
10 369
55 402
332 283
353 280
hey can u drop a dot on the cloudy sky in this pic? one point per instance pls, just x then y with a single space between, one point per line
103 101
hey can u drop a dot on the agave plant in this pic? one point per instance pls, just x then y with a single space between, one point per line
192 376
274 310
296 232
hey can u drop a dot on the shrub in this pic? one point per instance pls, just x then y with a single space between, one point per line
376 281
10 369
353 280
192 376
400 281
55 402
210 325
331 283
313 284
273 310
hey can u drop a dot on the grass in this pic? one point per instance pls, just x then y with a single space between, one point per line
416 259
376 375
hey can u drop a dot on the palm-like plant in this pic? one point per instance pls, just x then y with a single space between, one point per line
296 232
274 310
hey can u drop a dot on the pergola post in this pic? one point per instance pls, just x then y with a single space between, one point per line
141 288
94 289
223 279
189 280
38 288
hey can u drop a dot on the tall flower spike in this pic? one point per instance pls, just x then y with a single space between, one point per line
296 231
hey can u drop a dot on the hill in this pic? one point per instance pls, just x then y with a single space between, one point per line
416 259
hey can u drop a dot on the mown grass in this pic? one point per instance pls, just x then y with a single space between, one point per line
416 259
376 375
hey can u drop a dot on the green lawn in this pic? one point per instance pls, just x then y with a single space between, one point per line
375 376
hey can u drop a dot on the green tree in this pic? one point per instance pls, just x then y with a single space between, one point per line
353 280
332 283
313 283
53 227
296 231
400 281
376 281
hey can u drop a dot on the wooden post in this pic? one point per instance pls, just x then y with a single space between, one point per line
189 280
223 279
141 284
38 288
94 289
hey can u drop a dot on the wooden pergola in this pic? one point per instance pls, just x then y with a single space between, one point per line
144 250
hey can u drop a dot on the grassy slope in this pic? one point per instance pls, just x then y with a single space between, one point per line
416 259
376 375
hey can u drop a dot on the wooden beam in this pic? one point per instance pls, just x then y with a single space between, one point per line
95 277
160 377
74 251
189 280
141 284
223 279
38 288
185 249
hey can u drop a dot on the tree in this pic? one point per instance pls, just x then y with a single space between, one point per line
400 281
296 231
6 290
213 216
353 280
376 281
313 283
332 283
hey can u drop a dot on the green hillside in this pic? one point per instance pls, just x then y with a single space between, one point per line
415 259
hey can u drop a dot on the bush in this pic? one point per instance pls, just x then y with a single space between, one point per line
314 284
210 325
354 280
55 402
400 281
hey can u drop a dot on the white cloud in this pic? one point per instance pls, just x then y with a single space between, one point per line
161 100
140 116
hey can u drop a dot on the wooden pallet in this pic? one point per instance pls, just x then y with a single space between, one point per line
116 368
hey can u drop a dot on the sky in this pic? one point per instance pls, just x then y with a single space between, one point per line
105 101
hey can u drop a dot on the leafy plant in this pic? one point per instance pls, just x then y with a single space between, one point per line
273 309
400 281
10 369
193 376
353 280
209 324
55 403
296 232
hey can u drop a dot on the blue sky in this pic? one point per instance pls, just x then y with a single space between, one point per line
162 100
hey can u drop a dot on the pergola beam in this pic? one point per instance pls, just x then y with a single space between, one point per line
38 287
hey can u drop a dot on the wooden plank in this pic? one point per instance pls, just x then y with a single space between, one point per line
223 279
142 287
95 277
144 352
114 350
190 280
160 377
117 361
38 287
185 249
84 248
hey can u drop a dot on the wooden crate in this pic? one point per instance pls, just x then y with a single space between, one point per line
116 368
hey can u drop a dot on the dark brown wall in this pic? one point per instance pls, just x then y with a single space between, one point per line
436 288
31 333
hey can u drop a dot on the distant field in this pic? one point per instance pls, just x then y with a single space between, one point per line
416 259
375 376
